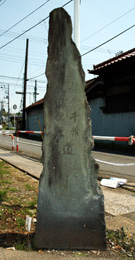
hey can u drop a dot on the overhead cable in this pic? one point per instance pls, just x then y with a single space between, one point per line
24 32
3 3
108 24
36 76
16 85
30 28
20 85
109 40
15 78
24 18
32 38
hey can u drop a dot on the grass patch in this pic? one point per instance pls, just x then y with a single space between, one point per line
3 195
18 198
20 222
122 238
28 212
20 246
3 169
2 164
5 182
32 204
29 187
3 172
13 189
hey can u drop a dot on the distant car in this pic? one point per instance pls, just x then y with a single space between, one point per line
0 127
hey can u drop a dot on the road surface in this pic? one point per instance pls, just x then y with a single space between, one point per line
111 165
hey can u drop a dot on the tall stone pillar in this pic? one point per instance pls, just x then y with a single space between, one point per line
70 213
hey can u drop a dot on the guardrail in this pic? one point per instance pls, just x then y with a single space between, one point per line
130 139
12 139
26 132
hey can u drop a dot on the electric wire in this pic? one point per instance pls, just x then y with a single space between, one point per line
108 24
38 63
18 79
15 78
3 3
37 76
31 38
20 85
32 27
24 18
19 59
114 37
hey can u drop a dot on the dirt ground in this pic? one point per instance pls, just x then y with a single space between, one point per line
18 199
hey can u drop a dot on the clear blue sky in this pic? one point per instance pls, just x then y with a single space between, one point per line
100 20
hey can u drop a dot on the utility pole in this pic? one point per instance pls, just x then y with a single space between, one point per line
8 98
25 84
1 112
8 110
35 91
77 23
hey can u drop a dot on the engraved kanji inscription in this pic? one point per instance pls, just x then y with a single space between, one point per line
59 135
68 149
74 116
75 131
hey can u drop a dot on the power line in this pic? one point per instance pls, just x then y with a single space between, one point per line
3 3
30 28
110 51
67 3
108 24
15 78
24 32
33 53
24 18
32 38
108 40
18 79
20 85
19 59
37 76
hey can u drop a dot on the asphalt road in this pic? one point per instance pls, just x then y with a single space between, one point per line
26 146
111 165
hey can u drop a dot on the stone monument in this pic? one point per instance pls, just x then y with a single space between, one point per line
70 211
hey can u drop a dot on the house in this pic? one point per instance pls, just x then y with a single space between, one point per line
34 116
111 96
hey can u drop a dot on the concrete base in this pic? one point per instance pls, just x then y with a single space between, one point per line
71 230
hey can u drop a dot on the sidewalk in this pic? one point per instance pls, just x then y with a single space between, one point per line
30 166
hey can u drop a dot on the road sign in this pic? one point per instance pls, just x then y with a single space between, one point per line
14 106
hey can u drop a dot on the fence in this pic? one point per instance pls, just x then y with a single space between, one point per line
130 140
11 137
26 132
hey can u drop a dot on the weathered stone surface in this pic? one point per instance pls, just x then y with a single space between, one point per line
70 203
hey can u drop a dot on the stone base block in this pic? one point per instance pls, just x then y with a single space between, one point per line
67 231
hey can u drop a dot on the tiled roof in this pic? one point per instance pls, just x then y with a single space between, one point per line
91 84
122 56
40 102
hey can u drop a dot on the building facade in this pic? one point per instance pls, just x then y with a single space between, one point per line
112 96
